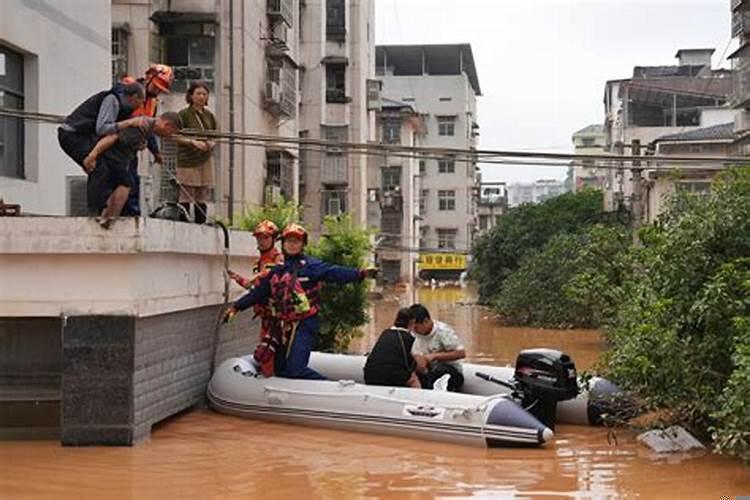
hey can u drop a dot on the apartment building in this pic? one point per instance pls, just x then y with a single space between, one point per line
740 95
394 182
534 192
590 140
658 101
36 75
440 83
248 53
339 100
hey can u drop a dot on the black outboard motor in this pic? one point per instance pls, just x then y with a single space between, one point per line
542 378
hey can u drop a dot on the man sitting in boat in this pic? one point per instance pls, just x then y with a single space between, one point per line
265 233
390 362
436 349
291 291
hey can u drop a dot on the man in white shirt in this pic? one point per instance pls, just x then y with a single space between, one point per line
436 350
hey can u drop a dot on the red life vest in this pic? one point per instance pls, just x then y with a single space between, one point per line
268 260
293 298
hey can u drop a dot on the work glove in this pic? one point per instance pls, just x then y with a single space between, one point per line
229 314
370 272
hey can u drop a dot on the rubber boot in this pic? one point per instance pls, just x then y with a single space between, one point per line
201 210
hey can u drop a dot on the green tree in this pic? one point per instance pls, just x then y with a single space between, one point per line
680 336
343 307
527 228
570 282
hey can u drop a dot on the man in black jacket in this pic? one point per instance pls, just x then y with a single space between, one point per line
390 362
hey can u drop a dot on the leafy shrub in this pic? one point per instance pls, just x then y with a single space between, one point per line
344 307
281 213
570 282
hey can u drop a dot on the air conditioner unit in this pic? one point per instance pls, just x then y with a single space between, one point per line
273 93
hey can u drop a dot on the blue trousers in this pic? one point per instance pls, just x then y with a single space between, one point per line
295 364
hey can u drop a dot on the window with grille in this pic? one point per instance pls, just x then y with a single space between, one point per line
11 129
446 166
446 199
119 53
447 238
391 177
189 49
422 167
336 20
446 125
335 163
334 201
336 83
392 131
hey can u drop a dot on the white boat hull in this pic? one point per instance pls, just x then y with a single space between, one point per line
586 409
494 421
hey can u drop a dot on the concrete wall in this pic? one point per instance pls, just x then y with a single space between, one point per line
114 327
56 81
424 93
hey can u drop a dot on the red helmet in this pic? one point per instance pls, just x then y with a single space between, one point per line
266 227
295 231
161 75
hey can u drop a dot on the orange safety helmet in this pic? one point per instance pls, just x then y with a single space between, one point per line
266 227
296 231
161 75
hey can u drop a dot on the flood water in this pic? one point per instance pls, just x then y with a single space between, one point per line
200 454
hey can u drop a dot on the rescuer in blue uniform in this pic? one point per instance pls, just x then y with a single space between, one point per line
291 290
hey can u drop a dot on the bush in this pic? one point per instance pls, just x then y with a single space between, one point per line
524 229
344 307
281 213
570 283
680 336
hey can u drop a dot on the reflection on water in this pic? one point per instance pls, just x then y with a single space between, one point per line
201 454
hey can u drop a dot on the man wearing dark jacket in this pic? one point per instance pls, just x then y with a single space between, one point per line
390 362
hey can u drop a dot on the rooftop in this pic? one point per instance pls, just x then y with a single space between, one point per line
415 60
722 132
590 130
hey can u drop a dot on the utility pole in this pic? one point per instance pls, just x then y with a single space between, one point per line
230 209
636 198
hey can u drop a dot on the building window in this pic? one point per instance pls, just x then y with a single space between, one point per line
446 125
279 71
423 197
191 54
279 168
334 201
335 162
391 177
119 53
446 199
422 167
696 187
336 20
447 238
336 82
588 142
11 129
392 131
446 166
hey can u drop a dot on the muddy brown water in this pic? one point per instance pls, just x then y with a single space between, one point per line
201 454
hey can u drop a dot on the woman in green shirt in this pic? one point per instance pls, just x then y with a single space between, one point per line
195 166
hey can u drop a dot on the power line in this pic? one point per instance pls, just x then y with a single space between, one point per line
474 156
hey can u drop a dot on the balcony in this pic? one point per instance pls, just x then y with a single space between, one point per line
281 10
740 23
392 201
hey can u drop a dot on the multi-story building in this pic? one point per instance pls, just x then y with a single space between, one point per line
589 140
339 99
394 181
440 83
248 53
657 101
740 97
37 75
534 192
493 203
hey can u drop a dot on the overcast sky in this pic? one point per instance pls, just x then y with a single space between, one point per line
542 64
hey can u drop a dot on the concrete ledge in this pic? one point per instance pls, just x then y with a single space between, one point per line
65 266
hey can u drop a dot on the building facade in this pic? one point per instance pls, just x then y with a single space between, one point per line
36 75
589 140
534 192
394 184
339 99
440 83
493 203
